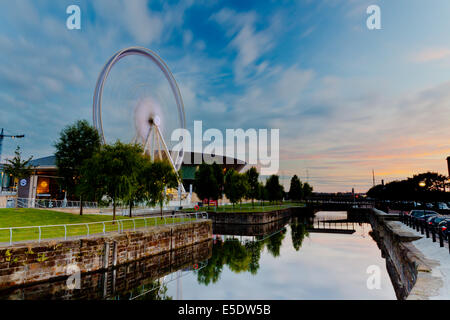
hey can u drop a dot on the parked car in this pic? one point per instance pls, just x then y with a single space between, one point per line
443 226
434 221
442 206
419 213
429 205
427 216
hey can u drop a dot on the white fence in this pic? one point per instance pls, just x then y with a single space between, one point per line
47 203
66 231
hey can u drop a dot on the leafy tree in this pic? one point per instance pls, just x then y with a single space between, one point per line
113 172
205 183
262 193
252 176
274 189
159 176
236 186
307 190
220 179
76 143
423 186
18 168
296 189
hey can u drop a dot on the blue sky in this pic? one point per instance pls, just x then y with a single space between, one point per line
346 99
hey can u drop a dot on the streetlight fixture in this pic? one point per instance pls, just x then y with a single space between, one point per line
422 184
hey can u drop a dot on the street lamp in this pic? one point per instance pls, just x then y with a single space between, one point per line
422 184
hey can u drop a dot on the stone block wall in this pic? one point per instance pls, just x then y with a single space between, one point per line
34 262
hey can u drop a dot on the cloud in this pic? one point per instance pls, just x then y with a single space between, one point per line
250 44
429 55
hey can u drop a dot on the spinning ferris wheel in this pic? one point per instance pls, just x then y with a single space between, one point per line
137 100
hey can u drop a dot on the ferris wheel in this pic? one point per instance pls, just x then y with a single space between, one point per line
137 100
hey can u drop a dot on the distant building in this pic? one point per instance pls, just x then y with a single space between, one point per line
44 182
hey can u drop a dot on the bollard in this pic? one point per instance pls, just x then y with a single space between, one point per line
441 238
426 230
433 234
421 226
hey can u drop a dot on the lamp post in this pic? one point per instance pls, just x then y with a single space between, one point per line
422 184
1 183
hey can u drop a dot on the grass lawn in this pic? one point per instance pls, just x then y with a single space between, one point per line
35 217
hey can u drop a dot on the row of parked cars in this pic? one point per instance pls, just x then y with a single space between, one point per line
432 218
437 205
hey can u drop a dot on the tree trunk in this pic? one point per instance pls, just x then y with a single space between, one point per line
114 210
81 205
253 203
131 207
160 209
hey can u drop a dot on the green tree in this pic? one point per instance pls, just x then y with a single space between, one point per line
236 186
307 190
76 143
220 179
274 189
159 176
262 193
296 189
205 183
252 176
18 168
113 171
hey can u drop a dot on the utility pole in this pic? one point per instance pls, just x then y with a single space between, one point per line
373 177
2 136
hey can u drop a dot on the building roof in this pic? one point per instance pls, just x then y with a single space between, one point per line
44 162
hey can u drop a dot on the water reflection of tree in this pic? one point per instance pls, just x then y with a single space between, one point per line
244 257
273 243
152 291
298 234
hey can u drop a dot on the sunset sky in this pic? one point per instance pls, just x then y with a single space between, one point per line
346 99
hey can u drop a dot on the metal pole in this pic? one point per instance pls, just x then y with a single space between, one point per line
10 236
104 228
65 232
39 233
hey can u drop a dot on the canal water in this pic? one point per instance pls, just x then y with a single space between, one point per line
325 257
303 260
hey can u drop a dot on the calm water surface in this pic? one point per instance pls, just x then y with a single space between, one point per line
325 257
298 262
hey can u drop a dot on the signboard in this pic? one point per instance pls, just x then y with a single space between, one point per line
23 182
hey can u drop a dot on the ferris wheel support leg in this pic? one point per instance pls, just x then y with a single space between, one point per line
169 157
147 140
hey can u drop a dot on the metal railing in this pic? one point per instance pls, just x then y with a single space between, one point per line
65 231
239 208
50 204
424 228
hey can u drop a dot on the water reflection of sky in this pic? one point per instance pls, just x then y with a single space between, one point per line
327 266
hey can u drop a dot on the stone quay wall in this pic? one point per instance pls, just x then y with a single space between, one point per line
23 264
409 270
256 217
120 282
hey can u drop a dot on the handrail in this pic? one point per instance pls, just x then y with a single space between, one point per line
179 218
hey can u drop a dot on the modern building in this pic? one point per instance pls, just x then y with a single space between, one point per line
44 183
